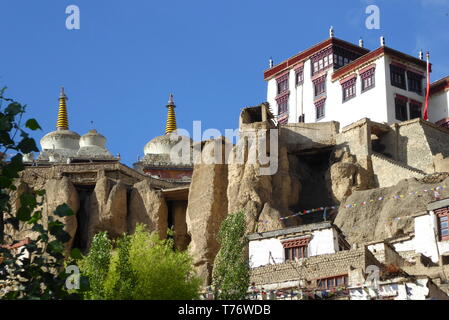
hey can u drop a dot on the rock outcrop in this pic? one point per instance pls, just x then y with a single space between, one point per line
147 206
108 208
207 208
345 175
381 219
58 192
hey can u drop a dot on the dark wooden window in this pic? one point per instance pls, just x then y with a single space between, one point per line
443 223
415 109
415 81
320 108
296 253
322 60
349 88
397 76
296 249
401 108
299 76
282 103
282 83
368 79
332 282
319 85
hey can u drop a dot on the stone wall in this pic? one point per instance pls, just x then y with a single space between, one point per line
305 136
388 172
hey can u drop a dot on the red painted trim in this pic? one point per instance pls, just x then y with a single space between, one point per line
400 97
398 64
319 101
282 95
283 76
440 85
299 68
416 102
368 68
442 121
348 78
374 55
311 51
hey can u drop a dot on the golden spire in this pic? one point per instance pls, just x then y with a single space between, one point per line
63 122
170 126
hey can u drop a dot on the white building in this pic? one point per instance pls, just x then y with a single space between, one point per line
338 81
430 237
439 100
294 243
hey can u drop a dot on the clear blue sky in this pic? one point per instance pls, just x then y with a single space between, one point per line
119 68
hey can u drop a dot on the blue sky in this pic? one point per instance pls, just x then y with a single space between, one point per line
119 68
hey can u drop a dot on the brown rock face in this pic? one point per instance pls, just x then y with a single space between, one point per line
345 175
58 192
147 206
253 193
108 208
207 208
378 220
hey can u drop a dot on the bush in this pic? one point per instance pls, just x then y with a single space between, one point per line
141 267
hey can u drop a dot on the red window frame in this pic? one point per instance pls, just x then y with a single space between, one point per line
349 89
282 84
332 282
320 110
368 79
443 223
296 248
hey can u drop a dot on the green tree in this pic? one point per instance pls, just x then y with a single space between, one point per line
40 275
231 274
141 267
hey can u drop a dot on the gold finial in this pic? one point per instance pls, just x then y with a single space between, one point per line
170 125
63 122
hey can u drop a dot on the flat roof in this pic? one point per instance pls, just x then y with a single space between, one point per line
438 204
290 230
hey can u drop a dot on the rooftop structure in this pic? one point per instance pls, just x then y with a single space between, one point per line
339 81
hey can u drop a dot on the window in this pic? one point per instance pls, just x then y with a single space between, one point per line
415 109
296 249
319 85
321 60
397 76
282 102
367 78
414 82
401 108
349 89
299 76
320 108
443 221
332 282
302 118
282 83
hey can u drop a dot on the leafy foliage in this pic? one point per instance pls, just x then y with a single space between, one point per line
141 267
231 275
33 273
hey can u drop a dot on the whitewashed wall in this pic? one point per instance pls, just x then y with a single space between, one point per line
323 241
439 106
378 103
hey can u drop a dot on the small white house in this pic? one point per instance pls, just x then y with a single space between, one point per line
294 243
430 237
